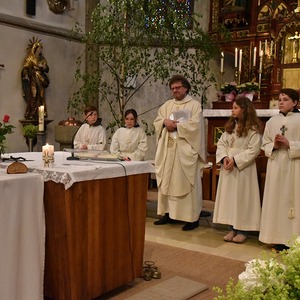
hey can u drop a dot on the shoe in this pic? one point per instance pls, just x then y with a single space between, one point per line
280 247
165 220
190 226
205 214
239 238
229 236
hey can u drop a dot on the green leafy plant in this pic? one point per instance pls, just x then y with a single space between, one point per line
229 87
5 129
251 86
142 42
275 277
30 131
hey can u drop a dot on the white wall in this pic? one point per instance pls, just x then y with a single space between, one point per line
61 56
60 53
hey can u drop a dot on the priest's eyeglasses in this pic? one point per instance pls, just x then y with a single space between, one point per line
176 87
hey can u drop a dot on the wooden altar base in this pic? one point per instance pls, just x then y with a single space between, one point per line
95 235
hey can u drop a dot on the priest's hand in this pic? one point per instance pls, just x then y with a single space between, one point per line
228 163
171 125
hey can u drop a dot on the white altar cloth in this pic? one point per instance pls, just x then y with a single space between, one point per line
70 171
22 236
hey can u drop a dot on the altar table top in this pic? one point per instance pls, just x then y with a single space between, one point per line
69 171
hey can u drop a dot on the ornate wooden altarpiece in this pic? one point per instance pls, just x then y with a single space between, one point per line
272 26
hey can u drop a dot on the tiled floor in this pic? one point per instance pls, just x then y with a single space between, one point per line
207 238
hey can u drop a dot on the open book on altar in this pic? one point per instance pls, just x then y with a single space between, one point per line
93 154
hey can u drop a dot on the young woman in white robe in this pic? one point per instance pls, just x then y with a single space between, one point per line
238 199
129 142
280 221
91 135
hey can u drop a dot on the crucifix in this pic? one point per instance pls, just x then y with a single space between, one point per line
283 129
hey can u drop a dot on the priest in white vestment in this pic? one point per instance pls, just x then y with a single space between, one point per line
91 135
180 156
280 221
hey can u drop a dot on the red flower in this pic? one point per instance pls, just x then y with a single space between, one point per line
6 118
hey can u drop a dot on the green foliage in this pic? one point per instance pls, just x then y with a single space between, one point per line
276 277
30 131
133 38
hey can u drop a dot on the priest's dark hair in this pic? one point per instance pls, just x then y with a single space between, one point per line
176 78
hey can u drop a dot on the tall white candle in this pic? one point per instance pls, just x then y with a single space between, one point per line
240 60
259 49
222 62
41 118
260 61
266 47
261 53
271 50
254 57
236 57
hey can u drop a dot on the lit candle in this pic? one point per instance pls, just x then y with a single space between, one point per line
240 60
48 154
222 62
254 57
41 118
236 58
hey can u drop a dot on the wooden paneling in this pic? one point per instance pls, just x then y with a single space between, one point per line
94 236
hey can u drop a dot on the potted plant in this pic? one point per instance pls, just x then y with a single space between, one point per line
248 89
133 43
229 91
30 132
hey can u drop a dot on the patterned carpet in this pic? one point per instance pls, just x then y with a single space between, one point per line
172 261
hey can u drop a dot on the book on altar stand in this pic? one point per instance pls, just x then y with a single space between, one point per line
93 154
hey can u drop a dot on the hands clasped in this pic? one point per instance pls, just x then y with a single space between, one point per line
228 163
281 141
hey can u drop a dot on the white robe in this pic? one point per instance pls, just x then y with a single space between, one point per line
129 142
93 136
282 186
238 199
178 161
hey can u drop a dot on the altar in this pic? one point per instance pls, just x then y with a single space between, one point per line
95 224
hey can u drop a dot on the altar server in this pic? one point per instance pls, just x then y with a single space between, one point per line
281 142
129 142
238 199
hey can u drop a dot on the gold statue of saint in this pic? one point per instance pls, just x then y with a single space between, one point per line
34 79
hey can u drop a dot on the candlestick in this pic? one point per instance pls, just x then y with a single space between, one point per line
254 57
222 62
236 57
41 118
240 60
48 155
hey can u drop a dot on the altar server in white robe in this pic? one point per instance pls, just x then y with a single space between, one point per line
91 135
180 156
129 142
280 221
238 199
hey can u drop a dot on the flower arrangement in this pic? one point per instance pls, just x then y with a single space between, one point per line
276 277
229 87
248 87
5 128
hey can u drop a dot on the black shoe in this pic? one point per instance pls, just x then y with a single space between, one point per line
165 220
280 247
190 225
205 214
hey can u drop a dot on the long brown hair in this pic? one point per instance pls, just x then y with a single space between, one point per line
248 121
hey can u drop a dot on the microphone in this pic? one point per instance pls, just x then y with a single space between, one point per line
72 157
